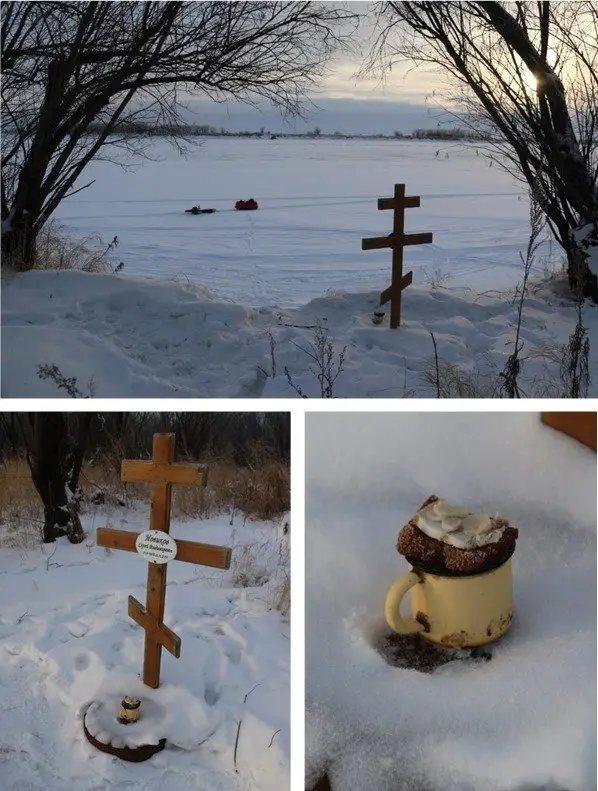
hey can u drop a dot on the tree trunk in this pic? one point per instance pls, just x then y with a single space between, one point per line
19 244
51 465
582 281
78 454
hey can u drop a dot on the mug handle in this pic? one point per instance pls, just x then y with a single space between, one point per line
392 608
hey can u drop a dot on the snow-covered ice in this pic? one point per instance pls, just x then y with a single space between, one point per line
220 305
317 199
66 640
524 721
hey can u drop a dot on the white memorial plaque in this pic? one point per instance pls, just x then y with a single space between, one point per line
156 546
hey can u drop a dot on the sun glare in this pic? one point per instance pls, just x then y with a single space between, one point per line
529 79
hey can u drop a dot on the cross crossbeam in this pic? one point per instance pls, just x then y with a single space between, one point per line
392 241
187 551
161 472
396 241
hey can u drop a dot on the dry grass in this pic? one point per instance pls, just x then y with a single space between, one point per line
260 494
280 588
265 564
56 249
21 511
450 381
250 565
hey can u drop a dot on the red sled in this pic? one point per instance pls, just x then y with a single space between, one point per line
246 205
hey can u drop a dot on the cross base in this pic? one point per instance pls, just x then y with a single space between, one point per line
103 731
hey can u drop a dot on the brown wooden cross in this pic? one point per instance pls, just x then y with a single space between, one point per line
161 473
397 240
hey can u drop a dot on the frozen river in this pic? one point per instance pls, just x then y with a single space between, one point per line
317 199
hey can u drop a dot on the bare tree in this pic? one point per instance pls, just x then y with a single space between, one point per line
55 449
526 79
70 66
113 436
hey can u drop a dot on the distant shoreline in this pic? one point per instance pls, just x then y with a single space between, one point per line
436 135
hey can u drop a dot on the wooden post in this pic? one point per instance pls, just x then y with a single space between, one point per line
397 240
161 473
579 425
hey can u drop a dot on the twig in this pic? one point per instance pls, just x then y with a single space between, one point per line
272 354
292 384
282 323
405 376
239 727
299 326
321 351
84 187
436 365
237 743
68 383
249 693
512 368
273 735
50 558
25 614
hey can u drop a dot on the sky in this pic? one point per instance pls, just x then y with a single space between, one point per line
346 101
403 99
348 116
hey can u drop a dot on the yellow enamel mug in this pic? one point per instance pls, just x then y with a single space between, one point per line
454 611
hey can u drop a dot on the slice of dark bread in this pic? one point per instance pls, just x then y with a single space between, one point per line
430 554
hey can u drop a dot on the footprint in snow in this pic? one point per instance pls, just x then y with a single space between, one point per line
211 693
81 662
233 651
77 628
232 646
100 599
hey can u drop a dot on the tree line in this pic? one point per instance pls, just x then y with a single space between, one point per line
57 444
246 438
446 134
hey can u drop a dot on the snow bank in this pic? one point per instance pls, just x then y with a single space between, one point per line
134 337
524 720
66 640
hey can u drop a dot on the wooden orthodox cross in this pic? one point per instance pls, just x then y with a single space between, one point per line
397 240
161 473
